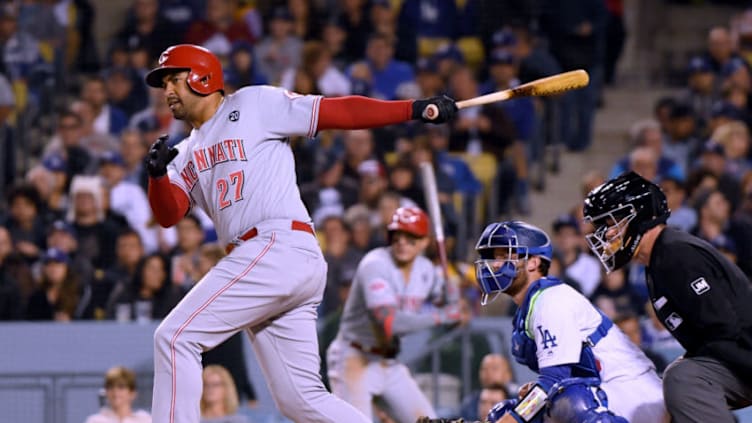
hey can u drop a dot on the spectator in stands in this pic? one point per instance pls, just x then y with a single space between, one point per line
108 287
306 19
358 219
333 35
577 264
67 144
58 294
218 29
280 49
94 233
242 69
387 73
735 139
50 184
20 54
744 212
330 193
384 21
720 48
133 151
219 401
679 143
125 90
120 392
489 396
712 159
11 303
26 221
128 199
357 27
151 295
316 61
359 147
404 180
107 119
95 142
724 111
62 236
456 168
644 162
701 88
342 259
576 31
494 370
713 216
434 24
615 296
647 133
145 24
535 62
682 216
186 255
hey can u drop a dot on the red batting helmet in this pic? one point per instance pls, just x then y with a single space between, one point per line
411 220
205 75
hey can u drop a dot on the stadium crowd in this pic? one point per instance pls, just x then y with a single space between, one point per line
77 237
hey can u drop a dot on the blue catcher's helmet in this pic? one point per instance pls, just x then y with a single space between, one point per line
520 238
579 400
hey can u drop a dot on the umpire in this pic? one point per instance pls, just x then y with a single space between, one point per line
698 294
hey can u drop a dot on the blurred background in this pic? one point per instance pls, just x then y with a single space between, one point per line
86 274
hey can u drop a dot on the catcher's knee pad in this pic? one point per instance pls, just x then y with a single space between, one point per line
579 400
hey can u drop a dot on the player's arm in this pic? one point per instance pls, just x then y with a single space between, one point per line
381 302
169 203
400 322
357 112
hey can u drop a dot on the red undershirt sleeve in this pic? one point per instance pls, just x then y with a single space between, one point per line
169 203
357 112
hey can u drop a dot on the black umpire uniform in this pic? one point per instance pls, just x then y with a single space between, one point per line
703 299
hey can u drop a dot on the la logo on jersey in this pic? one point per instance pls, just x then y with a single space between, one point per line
700 286
546 337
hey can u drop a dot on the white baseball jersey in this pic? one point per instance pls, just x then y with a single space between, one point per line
237 166
378 282
561 319
559 340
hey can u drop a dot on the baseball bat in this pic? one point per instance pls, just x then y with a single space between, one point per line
551 85
432 201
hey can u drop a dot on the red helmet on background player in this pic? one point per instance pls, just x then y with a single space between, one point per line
205 75
412 220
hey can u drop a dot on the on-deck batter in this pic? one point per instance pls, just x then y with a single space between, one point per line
392 294
238 167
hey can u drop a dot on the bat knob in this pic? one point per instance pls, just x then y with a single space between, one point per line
431 112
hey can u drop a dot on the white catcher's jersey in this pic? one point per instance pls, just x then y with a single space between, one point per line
562 318
238 166
378 282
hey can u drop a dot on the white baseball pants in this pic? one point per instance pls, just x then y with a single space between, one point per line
270 287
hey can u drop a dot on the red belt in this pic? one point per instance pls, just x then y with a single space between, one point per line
384 352
295 226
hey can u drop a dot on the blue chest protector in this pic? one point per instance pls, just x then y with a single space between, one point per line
524 348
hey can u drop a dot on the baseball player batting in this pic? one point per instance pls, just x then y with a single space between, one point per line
238 167
390 296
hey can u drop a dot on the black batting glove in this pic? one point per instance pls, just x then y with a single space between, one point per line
439 109
158 157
